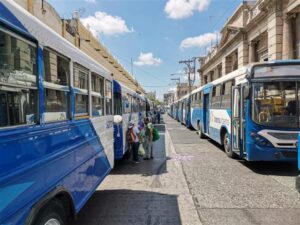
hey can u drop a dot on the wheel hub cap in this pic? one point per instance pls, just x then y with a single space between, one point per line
52 222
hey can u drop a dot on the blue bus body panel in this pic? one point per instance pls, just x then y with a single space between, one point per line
298 152
188 118
118 129
118 141
259 153
254 152
197 117
31 156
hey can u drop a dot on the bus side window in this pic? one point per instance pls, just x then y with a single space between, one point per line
216 97
97 95
200 99
226 95
57 82
81 96
18 78
108 96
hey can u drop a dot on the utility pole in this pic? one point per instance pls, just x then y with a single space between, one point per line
189 63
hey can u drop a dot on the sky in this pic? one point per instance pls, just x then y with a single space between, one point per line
153 34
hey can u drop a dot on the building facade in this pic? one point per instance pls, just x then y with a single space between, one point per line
169 98
182 89
74 31
262 30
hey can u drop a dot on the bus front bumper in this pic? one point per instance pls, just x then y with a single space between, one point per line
259 153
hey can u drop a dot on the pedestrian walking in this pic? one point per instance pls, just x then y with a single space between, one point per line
134 140
158 116
148 139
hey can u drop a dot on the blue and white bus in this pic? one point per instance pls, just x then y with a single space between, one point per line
184 110
56 122
253 112
298 177
128 106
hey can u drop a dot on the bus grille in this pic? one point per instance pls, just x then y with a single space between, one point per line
285 136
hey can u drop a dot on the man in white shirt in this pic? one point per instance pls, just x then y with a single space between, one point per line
136 142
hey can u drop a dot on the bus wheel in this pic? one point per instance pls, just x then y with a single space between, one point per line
201 135
52 214
226 145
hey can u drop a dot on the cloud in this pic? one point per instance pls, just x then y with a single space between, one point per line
102 23
199 41
180 9
147 59
90 1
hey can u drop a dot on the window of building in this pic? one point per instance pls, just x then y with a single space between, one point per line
97 83
57 91
296 36
108 97
81 90
18 80
216 97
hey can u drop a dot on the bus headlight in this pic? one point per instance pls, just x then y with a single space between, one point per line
260 140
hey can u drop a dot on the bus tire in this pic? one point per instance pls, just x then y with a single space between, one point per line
201 135
226 145
52 214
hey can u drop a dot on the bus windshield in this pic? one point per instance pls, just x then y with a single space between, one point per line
275 104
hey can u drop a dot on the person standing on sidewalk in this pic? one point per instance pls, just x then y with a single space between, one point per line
158 116
135 132
148 140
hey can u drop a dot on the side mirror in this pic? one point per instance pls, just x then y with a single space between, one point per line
246 92
118 119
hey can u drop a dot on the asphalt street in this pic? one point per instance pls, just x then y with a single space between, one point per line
190 182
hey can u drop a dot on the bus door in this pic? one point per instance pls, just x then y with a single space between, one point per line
206 113
3 109
183 111
237 120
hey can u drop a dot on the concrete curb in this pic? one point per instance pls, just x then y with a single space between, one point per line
187 208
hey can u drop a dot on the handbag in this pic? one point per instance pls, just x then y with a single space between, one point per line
141 151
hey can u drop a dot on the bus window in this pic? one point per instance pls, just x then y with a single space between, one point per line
57 73
18 80
81 97
108 97
201 99
274 104
216 97
97 95
226 95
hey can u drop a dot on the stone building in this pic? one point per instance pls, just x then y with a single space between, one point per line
182 89
169 98
261 30
74 31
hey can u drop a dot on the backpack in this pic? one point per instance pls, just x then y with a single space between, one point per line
130 136
156 135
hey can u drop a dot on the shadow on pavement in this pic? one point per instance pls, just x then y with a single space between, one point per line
273 168
156 166
266 168
127 207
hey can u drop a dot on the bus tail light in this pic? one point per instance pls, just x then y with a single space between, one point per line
260 140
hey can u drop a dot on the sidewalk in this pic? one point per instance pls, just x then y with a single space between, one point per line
151 193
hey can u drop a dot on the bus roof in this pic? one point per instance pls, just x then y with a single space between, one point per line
49 38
